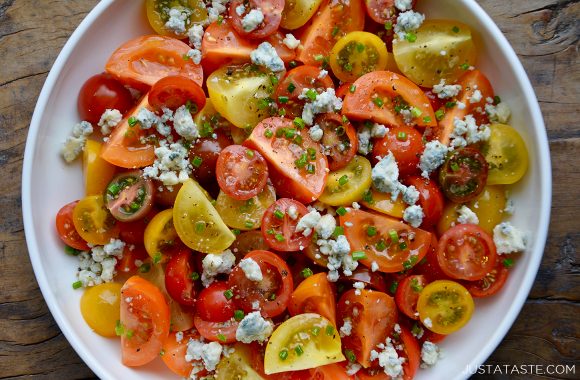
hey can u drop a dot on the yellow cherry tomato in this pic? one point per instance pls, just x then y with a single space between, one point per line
439 49
93 221
301 342
242 94
245 215
296 13
209 119
488 206
97 172
445 306
160 235
237 365
100 308
197 222
194 11
506 155
348 184
383 203
356 54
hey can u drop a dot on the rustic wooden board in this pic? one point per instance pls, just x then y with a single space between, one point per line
544 33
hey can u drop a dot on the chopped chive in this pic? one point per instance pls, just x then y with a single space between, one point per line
427 119
273 80
394 286
465 66
298 139
416 112
350 355
129 334
415 285
119 329
378 102
359 255
249 224
368 196
291 87
345 119
114 189
220 19
335 31
439 114
352 88
272 296
455 29
402 136
360 47
411 37
194 276
508 263
302 161
343 180
292 64
388 25
283 99
197 161
318 57
229 294
338 230
283 354
371 231
144 268
282 111
221 337
268 133
306 272
410 263
496 100
315 330
311 152
199 227
310 169
416 329
236 232
329 330
157 258
239 315
347 66
403 246
77 284
279 214
132 121
289 133
71 251
270 231
299 350
454 166
279 237
341 211
450 104
394 236
299 123
250 153
162 352
311 94
381 245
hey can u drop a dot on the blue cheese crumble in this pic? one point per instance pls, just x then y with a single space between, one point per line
413 215
171 165
467 132
430 354
254 328
404 5
210 353
75 143
408 21
432 158
265 55
316 133
389 359
251 269
177 20
98 266
216 263
508 239
184 125
195 34
109 120
467 216
252 20
324 102
446 91
290 41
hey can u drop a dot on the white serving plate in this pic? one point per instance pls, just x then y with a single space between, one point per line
48 183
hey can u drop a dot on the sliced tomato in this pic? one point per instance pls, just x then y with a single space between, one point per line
373 280
407 294
178 281
344 89
93 222
145 320
429 267
272 294
333 20
411 351
340 141
297 167
382 11
466 252
222 45
289 89
124 147
247 242
222 332
213 304
129 196
132 254
473 80
66 228
463 175
242 173
270 9
430 199
208 150
372 315
373 234
174 352
490 284
99 93
134 232
406 144
382 96
175 91
314 295
279 229
334 371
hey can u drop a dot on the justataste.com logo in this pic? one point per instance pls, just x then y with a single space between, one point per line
521 369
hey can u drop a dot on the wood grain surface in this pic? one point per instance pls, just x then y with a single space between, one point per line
545 35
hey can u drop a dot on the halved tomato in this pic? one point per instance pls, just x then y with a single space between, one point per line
491 284
97 172
430 199
339 140
463 175
279 228
175 91
314 295
406 144
174 351
178 281
142 61
241 172
407 294
93 222
66 228
272 15
129 196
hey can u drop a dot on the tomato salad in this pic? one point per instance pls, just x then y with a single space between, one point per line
305 189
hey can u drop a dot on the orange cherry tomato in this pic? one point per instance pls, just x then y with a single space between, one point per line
339 140
175 91
334 371
381 96
279 229
145 320
314 295
222 332
66 228
142 61
174 353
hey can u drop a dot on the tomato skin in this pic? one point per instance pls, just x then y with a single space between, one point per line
430 199
146 312
386 85
466 252
314 295
277 280
100 308
134 232
381 11
489 285
222 332
286 226
407 294
66 228
463 175
175 91
124 191
142 61
212 304
93 222
412 351
242 173
247 242
272 11
332 139
174 353
406 144
178 281
430 266
126 264
374 280
99 93
208 149
334 371
371 326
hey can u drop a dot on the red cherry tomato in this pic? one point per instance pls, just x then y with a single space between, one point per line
490 284
208 150
99 93
279 228
174 352
222 332
270 9
66 228
407 294
382 11
131 254
466 252
339 140
213 303
373 280
272 294
430 266
463 175
134 232
178 281
411 351
175 91
406 144
242 173
430 199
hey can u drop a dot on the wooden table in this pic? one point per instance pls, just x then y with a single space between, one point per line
544 33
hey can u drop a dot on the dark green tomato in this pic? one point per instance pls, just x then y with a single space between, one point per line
463 175
129 196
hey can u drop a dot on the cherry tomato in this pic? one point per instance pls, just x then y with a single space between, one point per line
272 294
247 242
270 9
383 97
372 315
407 294
213 305
430 266
208 150
297 13
242 173
339 140
290 88
99 93
490 284
97 172
430 199
314 295
142 61
174 352
334 371
66 228
381 11
129 196
466 252
100 308
134 232
93 222
175 91
222 332
406 144
158 13
506 154
297 167
374 280
279 228
412 353
178 281
463 175
132 254
145 320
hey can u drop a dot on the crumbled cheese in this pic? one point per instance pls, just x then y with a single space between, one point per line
184 125
292 212
98 265
407 116
432 158
509 206
352 368
251 269
378 130
178 336
498 114
413 215
364 140
75 144
217 8
358 285
337 252
346 328
195 34
147 118
177 20
508 239
385 176
467 216
467 132
325 226
476 97
210 353
195 55
109 119
252 20
430 354
214 264
308 222
461 105
171 165
389 359
410 195
374 266
355 205
290 41
427 322
325 102
240 9
397 328
408 21
254 328
265 55
446 91
316 133
404 5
